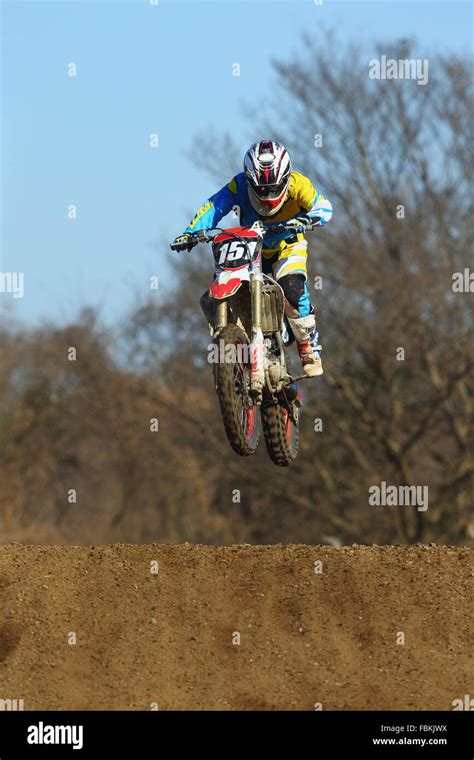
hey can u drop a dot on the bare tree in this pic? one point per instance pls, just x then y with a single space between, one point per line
395 158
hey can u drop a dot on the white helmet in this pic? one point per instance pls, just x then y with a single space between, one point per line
267 168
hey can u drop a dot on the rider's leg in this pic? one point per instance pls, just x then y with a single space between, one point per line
290 272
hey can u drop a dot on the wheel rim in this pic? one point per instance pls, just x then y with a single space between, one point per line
289 429
249 422
288 426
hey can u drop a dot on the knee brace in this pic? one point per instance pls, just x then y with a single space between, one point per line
297 294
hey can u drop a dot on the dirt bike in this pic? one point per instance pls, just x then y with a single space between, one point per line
246 315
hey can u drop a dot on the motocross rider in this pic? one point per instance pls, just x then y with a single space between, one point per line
269 190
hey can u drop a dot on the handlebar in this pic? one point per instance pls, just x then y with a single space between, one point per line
202 236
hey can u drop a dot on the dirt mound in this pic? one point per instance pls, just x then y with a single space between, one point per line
168 634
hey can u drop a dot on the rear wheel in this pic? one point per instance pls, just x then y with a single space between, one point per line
281 435
232 375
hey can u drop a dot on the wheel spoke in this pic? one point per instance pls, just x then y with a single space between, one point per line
233 390
247 411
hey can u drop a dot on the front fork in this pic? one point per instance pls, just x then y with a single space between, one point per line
257 348
221 316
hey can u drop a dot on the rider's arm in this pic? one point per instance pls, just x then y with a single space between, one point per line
316 206
214 208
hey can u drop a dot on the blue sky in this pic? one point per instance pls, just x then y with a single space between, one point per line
143 69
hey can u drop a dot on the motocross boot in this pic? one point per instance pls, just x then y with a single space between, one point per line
304 330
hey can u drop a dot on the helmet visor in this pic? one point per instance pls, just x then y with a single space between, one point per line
269 192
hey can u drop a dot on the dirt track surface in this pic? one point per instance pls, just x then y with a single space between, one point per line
167 638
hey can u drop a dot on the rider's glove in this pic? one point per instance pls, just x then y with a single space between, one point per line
183 242
298 225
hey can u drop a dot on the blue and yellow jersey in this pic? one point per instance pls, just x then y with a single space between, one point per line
300 198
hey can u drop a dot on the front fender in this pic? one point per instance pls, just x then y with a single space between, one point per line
225 285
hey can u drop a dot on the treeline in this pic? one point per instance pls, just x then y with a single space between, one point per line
121 440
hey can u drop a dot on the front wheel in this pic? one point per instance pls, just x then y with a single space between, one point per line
232 376
281 435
